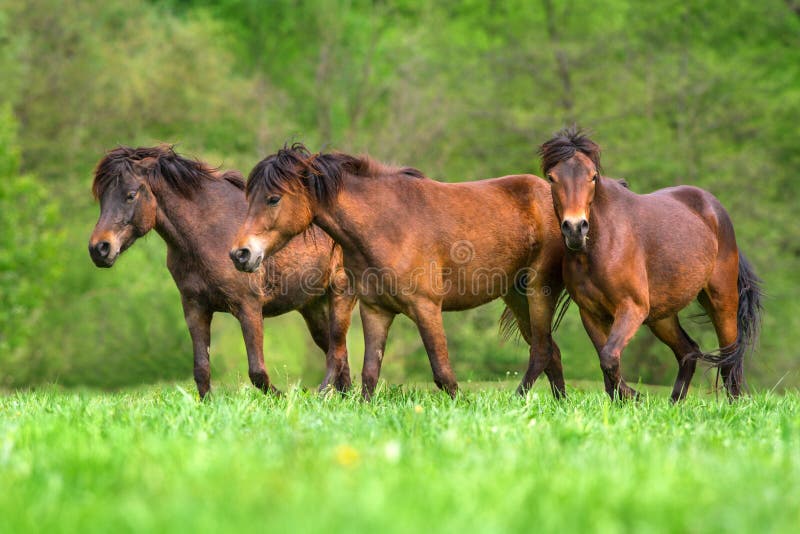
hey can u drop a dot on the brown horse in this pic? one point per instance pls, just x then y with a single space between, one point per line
637 259
417 247
197 211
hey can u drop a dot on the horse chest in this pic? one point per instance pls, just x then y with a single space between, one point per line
587 294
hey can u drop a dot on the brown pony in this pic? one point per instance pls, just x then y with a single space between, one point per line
417 247
636 259
197 211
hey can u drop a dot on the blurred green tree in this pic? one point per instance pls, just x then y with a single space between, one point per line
29 262
705 93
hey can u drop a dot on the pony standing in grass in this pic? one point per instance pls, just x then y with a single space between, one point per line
640 259
197 211
418 247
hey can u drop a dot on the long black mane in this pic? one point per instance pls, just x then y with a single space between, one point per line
321 174
280 171
161 166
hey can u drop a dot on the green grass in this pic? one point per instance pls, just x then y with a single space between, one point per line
156 459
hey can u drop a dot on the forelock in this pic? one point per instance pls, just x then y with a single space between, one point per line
279 172
565 144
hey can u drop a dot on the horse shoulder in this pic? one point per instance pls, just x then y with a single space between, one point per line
189 281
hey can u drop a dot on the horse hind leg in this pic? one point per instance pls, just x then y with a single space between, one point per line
670 332
252 322
375 325
545 355
428 317
720 300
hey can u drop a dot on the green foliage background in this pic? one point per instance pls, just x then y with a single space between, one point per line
705 93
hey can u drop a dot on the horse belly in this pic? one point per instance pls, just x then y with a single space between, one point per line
459 302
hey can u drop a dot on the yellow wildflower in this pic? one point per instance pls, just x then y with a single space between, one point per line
346 455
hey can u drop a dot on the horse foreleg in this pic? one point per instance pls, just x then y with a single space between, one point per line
342 304
328 323
198 319
252 323
627 320
598 333
375 323
316 316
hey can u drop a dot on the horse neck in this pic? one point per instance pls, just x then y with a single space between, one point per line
601 218
603 198
346 218
177 219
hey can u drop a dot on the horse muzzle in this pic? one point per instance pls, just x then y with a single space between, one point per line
103 253
244 259
574 232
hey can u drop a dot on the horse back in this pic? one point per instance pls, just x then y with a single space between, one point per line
706 206
519 206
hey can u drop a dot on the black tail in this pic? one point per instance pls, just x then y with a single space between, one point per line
748 321
509 326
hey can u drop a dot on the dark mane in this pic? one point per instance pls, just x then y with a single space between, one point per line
320 173
564 145
161 166
279 171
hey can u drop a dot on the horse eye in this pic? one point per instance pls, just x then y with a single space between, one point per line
550 178
273 200
131 196
594 177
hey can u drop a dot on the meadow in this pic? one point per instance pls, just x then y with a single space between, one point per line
157 459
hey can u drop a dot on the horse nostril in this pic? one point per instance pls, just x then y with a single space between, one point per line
584 227
565 227
241 255
103 248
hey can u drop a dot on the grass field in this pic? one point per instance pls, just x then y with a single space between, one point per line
156 459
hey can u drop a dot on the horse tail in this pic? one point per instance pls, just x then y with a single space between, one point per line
509 326
563 302
748 322
748 316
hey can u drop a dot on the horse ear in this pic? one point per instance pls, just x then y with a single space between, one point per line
309 174
146 164
309 167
